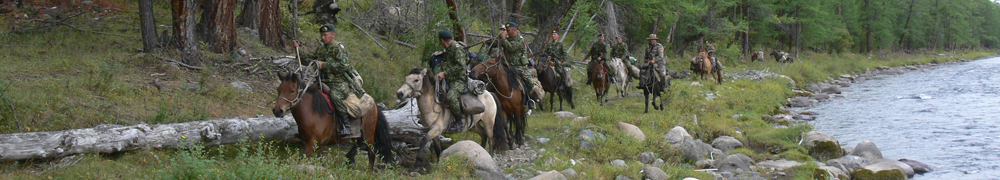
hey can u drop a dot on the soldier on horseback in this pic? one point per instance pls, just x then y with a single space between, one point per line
453 71
711 54
556 54
338 76
598 54
654 58
513 48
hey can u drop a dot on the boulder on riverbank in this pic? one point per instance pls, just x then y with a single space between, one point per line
822 146
918 167
882 171
867 149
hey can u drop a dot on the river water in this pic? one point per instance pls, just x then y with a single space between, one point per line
948 117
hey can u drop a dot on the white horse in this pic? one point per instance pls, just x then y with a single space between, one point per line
618 72
437 117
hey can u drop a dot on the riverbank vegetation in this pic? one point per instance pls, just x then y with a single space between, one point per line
59 74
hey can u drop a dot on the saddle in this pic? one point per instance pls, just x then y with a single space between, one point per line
470 95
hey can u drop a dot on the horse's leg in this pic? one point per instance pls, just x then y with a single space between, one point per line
560 94
552 98
645 100
351 154
310 145
371 153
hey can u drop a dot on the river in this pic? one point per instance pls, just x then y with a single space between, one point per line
948 117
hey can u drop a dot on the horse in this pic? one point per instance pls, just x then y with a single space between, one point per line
551 83
705 66
599 80
781 57
420 84
308 105
503 80
618 71
757 56
650 86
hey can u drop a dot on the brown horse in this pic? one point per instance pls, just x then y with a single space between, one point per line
435 116
599 79
551 83
307 104
757 56
503 81
705 66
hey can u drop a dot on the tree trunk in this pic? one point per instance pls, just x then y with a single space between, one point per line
112 138
270 24
909 13
217 26
295 20
146 18
516 12
546 24
250 17
453 14
184 30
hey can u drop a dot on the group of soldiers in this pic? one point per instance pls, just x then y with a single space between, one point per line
335 72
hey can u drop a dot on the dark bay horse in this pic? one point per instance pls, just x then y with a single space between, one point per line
316 125
503 80
551 83
650 86
600 80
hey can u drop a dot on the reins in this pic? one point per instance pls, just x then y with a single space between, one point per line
300 91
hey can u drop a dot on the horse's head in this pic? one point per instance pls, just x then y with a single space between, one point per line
288 91
775 54
481 70
413 85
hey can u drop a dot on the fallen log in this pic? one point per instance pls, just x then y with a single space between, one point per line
112 138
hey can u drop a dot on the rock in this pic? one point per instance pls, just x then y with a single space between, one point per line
821 96
902 166
780 164
848 163
734 163
677 136
565 114
622 177
892 72
826 172
309 168
522 173
631 131
803 117
831 89
883 170
653 173
704 163
569 172
619 163
822 146
646 157
542 140
658 162
696 83
726 143
801 101
242 86
867 149
695 150
847 149
551 175
716 154
918 167
845 84
579 120
588 139
485 167
847 76
784 119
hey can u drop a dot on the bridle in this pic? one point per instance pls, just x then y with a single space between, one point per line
489 79
309 74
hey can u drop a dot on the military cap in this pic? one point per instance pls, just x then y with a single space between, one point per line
512 24
445 34
652 36
600 34
328 28
555 30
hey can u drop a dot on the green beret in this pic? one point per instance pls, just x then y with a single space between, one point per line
445 34
327 28
512 24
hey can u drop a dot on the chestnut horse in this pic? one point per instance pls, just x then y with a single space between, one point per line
599 79
504 81
435 116
705 67
551 83
303 99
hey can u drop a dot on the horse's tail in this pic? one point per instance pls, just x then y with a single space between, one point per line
383 141
500 129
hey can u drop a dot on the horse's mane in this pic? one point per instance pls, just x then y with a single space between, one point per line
512 75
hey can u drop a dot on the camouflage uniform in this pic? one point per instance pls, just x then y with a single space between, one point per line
655 52
513 50
336 73
711 54
598 49
620 50
453 67
558 54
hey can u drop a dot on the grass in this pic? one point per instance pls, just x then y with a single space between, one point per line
62 78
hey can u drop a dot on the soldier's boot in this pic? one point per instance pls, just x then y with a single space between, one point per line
345 131
457 123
